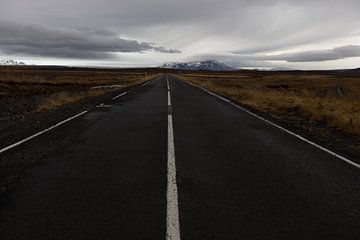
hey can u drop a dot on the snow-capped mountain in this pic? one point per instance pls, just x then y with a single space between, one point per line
10 62
211 65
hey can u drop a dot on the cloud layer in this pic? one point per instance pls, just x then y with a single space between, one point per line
39 40
244 32
319 55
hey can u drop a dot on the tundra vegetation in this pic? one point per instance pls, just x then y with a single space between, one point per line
34 89
330 98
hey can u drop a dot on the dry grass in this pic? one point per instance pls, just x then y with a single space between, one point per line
25 80
65 98
60 99
64 77
57 87
320 97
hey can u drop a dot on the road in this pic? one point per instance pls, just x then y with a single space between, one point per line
180 164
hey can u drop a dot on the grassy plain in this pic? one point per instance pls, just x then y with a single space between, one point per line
46 88
326 97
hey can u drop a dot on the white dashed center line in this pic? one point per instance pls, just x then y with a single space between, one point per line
172 213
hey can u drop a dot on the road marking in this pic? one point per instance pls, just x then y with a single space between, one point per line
281 128
122 94
145 83
172 211
42 132
169 99
167 83
103 106
56 125
215 95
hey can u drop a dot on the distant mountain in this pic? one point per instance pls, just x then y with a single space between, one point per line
10 62
210 65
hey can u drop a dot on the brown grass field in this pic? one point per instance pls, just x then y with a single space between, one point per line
32 89
331 98
326 97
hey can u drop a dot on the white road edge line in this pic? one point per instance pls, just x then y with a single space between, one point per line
172 210
54 126
122 94
145 83
281 128
42 132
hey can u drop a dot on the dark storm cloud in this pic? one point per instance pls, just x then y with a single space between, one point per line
39 40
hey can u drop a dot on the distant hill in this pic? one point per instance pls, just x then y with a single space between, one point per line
210 65
10 62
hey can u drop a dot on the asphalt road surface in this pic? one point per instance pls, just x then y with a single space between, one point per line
180 164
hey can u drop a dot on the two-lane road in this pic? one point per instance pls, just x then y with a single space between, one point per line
180 163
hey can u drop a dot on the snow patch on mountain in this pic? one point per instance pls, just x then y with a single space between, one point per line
210 65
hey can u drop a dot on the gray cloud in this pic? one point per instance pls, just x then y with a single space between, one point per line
40 40
250 29
319 55
164 50
233 60
261 60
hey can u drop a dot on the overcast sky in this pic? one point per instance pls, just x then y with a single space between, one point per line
307 34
